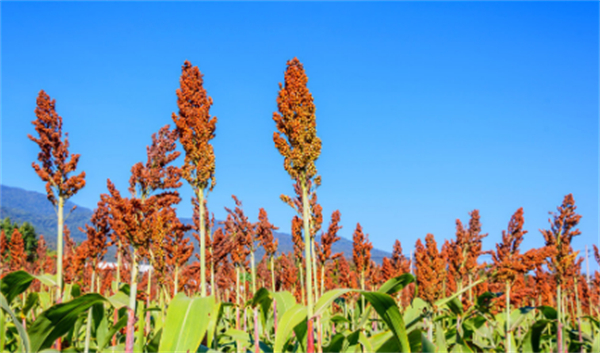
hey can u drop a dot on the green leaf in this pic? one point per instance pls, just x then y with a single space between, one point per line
339 319
260 296
30 302
214 319
122 322
396 284
362 339
153 342
596 344
14 284
414 313
549 312
443 301
426 345
335 344
58 320
119 300
186 323
415 340
533 338
518 315
25 341
48 280
290 319
284 302
388 311
455 306
379 339
440 338
326 299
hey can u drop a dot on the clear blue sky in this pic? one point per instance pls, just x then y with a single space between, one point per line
426 110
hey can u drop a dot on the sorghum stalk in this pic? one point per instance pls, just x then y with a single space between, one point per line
200 195
59 249
132 303
307 255
508 333
88 324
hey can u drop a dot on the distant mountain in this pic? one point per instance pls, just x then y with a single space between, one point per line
29 206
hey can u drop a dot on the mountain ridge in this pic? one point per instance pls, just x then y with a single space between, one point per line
30 206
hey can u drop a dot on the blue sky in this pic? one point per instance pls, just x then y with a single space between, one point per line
426 110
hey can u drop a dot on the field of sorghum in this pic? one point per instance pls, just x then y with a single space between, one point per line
439 300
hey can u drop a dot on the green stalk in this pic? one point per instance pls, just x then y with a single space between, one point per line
507 284
302 288
307 247
132 304
273 273
237 306
119 260
307 253
362 287
2 331
88 324
200 194
470 289
253 269
315 269
559 311
322 279
148 292
176 285
59 249
213 286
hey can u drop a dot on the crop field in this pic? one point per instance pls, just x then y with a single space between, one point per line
442 298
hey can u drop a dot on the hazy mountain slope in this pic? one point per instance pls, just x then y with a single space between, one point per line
29 206
21 205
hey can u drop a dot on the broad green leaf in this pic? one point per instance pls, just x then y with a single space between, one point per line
518 315
47 280
284 302
335 344
351 344
362 339
443 301
58 320
414 340
414 313
30 302
14 284
388 311
301 332
549 312
238 336
122 322
25 340
426 345
534 336
440 338
596 344
396 284
119 300
100 323
154 341
186 323
289 320
455 306
260 296
214 319
339 319
326 299
378 340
